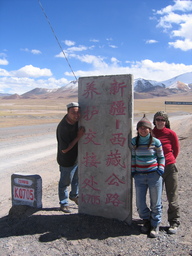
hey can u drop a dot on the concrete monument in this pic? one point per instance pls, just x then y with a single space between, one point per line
104 159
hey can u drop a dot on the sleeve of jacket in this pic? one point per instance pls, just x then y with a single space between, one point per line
133 158
175 144
160 157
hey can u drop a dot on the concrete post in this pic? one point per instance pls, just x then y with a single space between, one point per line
105 185
26 189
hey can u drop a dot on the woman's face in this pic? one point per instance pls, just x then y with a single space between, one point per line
160 122
143 131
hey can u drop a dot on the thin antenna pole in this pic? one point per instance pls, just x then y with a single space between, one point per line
56 38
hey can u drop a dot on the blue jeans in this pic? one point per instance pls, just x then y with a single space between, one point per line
68 176
153 182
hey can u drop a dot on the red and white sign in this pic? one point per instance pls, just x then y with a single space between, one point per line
25 182
23 194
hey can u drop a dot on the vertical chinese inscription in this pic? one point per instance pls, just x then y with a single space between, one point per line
104 154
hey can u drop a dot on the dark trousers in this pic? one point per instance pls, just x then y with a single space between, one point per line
170 179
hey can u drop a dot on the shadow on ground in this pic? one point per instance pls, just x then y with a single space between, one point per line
29 221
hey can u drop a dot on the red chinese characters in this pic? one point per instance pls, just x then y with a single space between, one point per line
109 161
117 87
90 90
90 160
118 139
89 113
117 108
114 199
90 137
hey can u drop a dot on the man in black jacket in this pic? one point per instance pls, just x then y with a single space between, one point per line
68 135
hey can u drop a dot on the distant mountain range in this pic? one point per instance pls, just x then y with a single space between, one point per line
142 89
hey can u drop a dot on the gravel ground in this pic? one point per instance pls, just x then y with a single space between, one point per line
25 231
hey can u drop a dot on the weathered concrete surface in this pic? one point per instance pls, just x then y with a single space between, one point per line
104 153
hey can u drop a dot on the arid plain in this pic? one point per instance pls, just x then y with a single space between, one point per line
28 144
14 112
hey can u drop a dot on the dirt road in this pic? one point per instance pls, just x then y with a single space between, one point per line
26 149
50 232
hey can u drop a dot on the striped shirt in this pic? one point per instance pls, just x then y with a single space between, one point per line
144 159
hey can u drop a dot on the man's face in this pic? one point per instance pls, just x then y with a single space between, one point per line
74 114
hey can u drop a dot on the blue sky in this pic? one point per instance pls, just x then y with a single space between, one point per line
150 39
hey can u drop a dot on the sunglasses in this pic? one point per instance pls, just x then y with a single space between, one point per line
160 120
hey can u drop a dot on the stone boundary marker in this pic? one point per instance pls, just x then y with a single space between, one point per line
26 189
104 158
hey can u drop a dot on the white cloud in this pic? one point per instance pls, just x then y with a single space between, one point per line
177 16
69 42
94 40
2 54
158 71
96 61
4 62
13 82
23 84
184 45
146 69
24 49
61 55
179 5
33 51
4 72
113 46
185 30
69 51
30 71
77 48
151 41
114 60
52 82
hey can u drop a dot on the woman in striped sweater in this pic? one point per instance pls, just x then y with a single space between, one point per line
147 168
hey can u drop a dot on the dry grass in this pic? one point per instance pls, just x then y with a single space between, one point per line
18 112
155 104
31 111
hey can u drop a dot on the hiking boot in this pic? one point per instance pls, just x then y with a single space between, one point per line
74 199
154 232
65 209
146 227
173 228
